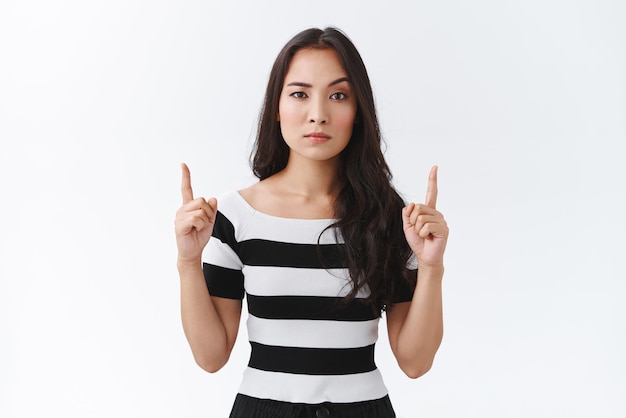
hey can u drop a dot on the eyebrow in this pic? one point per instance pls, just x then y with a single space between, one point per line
301 84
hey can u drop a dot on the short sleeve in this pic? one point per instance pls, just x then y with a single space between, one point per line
221 265
405 286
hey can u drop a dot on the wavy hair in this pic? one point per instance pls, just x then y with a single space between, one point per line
367 208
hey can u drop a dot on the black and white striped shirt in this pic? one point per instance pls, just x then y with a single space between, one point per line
307 347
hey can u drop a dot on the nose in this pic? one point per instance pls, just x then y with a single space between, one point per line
318 112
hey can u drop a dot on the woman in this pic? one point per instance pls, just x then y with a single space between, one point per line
321 245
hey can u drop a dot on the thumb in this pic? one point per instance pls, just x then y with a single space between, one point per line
406 215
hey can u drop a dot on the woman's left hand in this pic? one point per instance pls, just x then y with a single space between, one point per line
425 229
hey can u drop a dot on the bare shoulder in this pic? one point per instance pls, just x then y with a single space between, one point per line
273 196
263 196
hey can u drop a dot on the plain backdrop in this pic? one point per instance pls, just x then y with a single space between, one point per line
522 104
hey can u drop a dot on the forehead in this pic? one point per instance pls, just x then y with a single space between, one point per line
310 65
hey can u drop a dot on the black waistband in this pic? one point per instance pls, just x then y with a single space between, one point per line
249 407
312 361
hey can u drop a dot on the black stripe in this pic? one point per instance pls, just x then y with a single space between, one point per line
224 231
405 287
223 282
258 252
312 361
309 307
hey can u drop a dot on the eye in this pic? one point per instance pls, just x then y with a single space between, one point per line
298 94
338 96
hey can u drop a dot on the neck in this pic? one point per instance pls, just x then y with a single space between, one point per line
312 178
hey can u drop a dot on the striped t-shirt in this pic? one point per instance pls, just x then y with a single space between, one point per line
307 347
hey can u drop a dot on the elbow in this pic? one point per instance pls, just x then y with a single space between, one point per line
417 370
416 366
417 361
211 368
211 365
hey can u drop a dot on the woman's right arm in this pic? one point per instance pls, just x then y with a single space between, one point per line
210 323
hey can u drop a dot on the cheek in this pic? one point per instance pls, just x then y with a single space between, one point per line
288 114
345 120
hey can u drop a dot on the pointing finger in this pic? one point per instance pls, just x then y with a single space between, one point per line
186 184
431 192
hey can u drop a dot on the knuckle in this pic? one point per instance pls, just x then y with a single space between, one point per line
422 209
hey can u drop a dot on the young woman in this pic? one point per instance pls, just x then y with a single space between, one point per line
321 246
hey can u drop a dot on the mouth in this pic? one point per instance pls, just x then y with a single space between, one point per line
317 136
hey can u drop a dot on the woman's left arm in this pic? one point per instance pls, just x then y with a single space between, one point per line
416 328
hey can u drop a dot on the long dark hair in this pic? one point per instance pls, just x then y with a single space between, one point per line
367 208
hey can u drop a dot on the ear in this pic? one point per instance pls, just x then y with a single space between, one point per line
278 117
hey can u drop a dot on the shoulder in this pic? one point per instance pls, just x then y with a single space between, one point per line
233 215
261 196
232 204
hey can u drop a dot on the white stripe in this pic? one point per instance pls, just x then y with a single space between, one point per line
258 225
297 231
287 281
288 387
312 334
220 254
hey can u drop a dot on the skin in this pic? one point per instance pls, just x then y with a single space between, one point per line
316 97
210 324
416 328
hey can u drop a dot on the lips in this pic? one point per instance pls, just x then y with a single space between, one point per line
317 137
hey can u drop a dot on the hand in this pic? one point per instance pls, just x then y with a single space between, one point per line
194 221
425 229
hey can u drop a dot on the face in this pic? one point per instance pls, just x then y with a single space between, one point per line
317 107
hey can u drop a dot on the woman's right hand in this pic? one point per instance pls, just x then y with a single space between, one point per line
194 222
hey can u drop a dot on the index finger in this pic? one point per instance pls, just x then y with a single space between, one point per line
185 187
431 192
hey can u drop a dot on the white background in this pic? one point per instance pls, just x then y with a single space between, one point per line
522 104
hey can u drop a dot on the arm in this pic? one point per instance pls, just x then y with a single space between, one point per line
416 328
210 323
